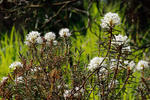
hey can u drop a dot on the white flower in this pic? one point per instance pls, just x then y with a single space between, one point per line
32 37
50 36
113 82
119 40
110 20
55 42
113 63
3 79
67 93
27 43
59 86
126 62
64 32
16 64
66 85
39 40
36 69
78 91
142 64
131 65
127 48
77 88
19 79
95 63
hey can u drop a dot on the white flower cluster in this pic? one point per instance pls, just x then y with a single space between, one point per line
16 64
77 89
50 38
35 69
33 37
142 64
130 64
3 79
119 39
64 32
95 63
110 20
113 63
114 82
67 93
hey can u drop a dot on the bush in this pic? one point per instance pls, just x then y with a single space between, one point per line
55 70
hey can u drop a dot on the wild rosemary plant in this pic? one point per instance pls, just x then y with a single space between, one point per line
50 70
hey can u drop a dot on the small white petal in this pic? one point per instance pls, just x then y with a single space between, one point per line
110 19
31 37
16 64
142 64
64 32
119 40
39 40
50 36
95 62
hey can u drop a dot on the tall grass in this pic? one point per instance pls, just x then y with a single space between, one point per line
10 46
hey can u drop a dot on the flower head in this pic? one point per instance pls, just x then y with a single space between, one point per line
16 64
119 40
95 63
50 36
142 64
110 20
39 40
126 62
31 38
64 32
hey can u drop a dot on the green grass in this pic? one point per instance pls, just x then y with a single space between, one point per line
10 46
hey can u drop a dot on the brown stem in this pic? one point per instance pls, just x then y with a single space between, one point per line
116 70
128 75
109 47
147 86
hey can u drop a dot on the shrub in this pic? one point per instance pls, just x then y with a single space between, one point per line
52 70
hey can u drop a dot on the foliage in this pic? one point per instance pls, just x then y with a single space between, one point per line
59 71
88 41
41 15
10 48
